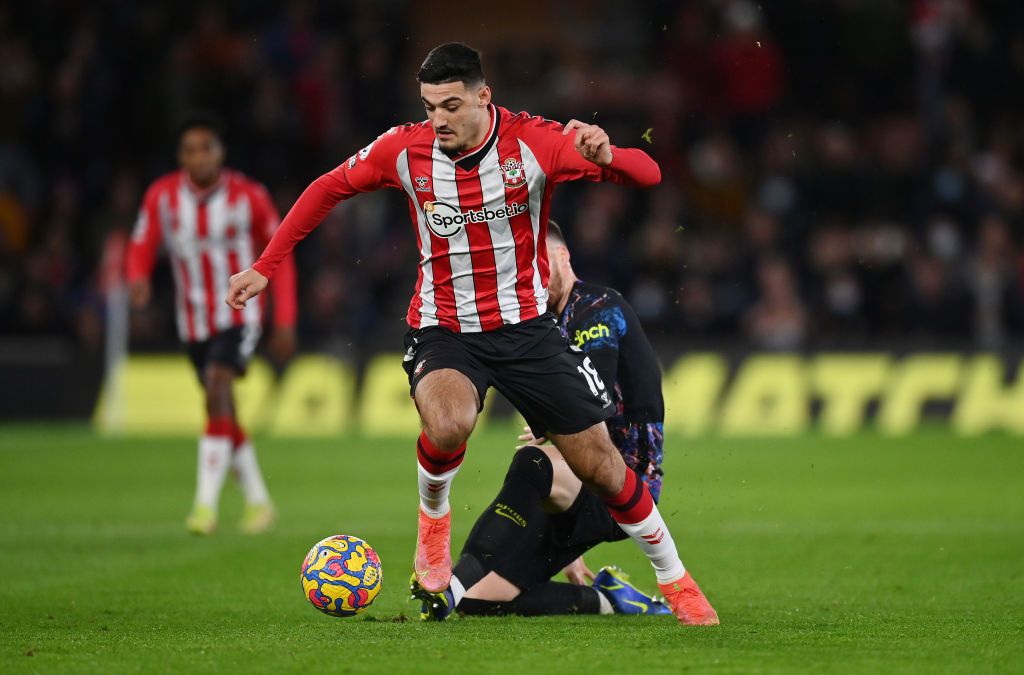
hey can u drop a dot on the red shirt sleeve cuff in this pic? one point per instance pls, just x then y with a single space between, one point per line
263 268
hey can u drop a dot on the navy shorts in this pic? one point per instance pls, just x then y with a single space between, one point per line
232 347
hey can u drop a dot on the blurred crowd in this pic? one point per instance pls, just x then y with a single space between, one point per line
837 173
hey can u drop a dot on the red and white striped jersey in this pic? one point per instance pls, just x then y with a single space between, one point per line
480 217
209 235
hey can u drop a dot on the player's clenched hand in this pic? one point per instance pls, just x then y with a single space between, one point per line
591 141
577 572
528 438
245 285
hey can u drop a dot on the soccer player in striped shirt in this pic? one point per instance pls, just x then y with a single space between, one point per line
479 181
212 221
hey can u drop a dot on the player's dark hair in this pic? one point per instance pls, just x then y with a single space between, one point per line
555 233
452 62
201 119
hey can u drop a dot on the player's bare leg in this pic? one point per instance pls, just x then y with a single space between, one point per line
593 458
225 446
215 448
447 403
494 588
220 395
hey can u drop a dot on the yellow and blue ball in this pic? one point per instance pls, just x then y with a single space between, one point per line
341 575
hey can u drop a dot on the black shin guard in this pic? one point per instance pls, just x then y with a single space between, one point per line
512 518
547 599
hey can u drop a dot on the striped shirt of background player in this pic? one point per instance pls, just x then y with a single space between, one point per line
210 235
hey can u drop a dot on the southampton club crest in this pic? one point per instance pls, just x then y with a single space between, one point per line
512 173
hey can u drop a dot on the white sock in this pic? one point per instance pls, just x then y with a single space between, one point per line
243 461
606 605
434 491
652 536
214 459
457 589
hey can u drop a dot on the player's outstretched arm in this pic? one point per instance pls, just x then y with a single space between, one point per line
578 573
141 254
282 340
372 168
309 209
591 156
527 438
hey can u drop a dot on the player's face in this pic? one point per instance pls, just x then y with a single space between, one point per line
457 114
559 277
201 154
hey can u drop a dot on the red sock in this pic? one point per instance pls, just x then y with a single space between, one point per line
237 435
433 460
633 503
220 426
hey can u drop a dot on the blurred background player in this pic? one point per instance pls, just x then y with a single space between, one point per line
542 519
212 222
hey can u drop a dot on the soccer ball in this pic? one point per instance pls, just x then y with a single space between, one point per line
341 575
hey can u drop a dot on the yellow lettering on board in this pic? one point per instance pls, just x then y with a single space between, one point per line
912 382
985 403
691 388
316 397
769 397
846 383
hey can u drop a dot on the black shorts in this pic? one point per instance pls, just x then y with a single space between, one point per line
233 348
554 386
557 541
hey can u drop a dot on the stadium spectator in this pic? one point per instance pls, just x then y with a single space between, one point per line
777 320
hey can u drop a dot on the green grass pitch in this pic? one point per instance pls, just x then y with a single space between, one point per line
860 555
